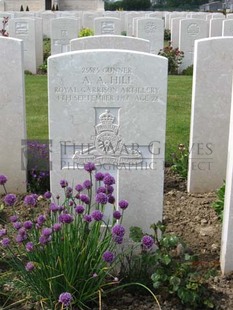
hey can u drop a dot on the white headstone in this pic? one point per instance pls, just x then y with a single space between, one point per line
190 30
110 42
129 21
107 25
175 31
226 256
88 19
47 16
112 113
211 102
227 28
151 29
13 121
26 29
216 27
62 31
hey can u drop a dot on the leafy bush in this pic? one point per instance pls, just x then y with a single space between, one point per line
85 32
3 31
188 71
174 268
180 161
218 205
174 56
65 256
167 34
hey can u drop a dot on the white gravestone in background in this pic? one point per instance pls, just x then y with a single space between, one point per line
28 30
12 111
190 30
151 29
110 42
227 28
112 113
62 31
210 116
216 27
226 256
107 26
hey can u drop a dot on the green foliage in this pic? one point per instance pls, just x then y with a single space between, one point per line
128 5
46 48
218 205
180 161
66 251
188 71
174 56
167 34
175 271
85 32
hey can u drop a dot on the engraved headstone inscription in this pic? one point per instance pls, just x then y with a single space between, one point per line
113 114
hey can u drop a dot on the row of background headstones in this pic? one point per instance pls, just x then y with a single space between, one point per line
183 31
216 88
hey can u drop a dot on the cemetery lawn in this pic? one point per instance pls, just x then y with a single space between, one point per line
178 110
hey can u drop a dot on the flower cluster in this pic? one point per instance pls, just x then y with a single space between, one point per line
53 241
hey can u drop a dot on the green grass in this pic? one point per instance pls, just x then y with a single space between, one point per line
178 110
36 106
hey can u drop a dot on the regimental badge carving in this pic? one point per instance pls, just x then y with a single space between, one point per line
108 147
193 29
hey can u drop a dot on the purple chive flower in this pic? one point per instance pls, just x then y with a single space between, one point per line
87 184
65 299
111 199
30 200
69 191
63 183
17 225
79 209
84 198
101 189
101 198
47 231
97 215
13 218
20 239
87 218
147 241
108 179
117 215
41 219
79 188
3 232
10 199
109 189
118 230
29 246
43 240
99 176
108 257
22 231
117 239
123 204
89 167
53 207
5 242
47 195
3 179
28 224
57 227
66 218
29 266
